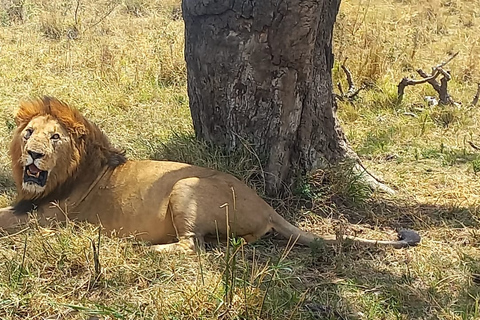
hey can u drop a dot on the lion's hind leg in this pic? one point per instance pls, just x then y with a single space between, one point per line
182 209
217 205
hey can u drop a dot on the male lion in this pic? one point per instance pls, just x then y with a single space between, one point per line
65 167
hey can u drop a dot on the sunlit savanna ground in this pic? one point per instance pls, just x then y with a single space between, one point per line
122 64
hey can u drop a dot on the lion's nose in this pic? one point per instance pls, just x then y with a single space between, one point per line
35 155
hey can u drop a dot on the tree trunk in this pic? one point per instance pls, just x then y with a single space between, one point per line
260 71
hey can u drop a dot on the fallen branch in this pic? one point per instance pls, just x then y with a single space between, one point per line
411 82
474 146
431 80
477 95
352 91
441 65
440 88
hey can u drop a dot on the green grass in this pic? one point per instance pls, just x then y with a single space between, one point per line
121 63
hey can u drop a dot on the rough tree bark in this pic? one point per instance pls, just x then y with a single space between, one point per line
261 71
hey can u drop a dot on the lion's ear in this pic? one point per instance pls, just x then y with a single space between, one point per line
78 130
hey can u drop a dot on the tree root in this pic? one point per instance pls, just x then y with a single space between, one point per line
373 182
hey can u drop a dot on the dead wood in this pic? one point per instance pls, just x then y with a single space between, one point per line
441 88
474 146
352 91
477 95
411 82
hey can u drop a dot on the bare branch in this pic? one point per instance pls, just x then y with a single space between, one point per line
441 88
339 86
355 93
351 85
411 82
473 145
352 90
411 114
443 93
477 95
339 97
427 78
431 78
76 12
441 65
445 74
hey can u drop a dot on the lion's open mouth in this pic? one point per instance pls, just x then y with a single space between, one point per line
35 175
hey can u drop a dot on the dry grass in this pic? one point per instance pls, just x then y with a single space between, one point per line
122 64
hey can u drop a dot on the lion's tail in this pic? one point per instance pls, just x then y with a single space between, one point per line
407 237
291 232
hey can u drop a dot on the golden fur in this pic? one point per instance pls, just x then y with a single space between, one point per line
85 139
58 155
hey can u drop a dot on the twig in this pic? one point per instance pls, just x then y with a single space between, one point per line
477 95
339 86
14 234
103 18
411 114
76 12
474 146
356 92
431 79
96 255
445 74
352 91
441 65
348 74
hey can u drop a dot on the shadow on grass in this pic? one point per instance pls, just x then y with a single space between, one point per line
340 282
369 283
7 185
400 213
242 163
340 190
435 280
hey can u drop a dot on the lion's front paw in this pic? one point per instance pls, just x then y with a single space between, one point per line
10 220
185 246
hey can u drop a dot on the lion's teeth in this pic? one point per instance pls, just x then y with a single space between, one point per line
36 175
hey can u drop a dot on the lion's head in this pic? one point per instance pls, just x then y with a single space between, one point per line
54 146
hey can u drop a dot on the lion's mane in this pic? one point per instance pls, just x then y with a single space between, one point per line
91 149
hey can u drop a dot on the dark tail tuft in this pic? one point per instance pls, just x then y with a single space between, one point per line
412 238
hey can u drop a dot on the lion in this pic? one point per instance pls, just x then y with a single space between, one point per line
65 167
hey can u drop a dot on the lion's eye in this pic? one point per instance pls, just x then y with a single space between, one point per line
56 136
28 133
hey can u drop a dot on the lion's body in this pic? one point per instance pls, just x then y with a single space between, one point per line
66 168
197 197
